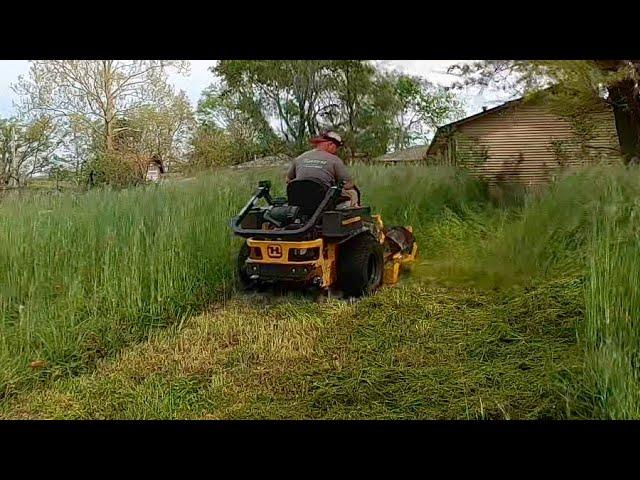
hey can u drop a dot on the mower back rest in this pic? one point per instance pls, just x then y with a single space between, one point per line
306 194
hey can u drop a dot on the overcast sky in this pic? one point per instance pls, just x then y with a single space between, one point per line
200 77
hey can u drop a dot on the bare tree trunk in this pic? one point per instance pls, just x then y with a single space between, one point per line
625 99
109 105
77 156
626 109
108 140
13 180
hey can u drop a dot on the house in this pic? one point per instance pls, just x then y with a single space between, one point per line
524 142
408 155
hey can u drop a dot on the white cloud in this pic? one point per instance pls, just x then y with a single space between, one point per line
199 78
9 72
436 72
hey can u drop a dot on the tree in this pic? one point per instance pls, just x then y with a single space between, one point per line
59 172
579 86
161 130
420 108
243 118
349 87
26 148
94 92
78 147
376 128
214 147
287 90
359 104
267 107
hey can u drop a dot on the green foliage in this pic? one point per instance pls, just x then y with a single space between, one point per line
240 116
161 130
114 169
290 89
214 147
273 107
60 175
93 272
421 108
610 336
26 148
465 150
426 193
414 351
360 105
584 227
121 110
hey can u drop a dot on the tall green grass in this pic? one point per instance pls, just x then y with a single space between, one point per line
610 385
84 275
418 195
81 276
584 229
578 238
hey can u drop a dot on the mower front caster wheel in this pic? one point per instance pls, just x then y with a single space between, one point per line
243 277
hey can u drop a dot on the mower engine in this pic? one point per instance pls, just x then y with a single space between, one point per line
283 215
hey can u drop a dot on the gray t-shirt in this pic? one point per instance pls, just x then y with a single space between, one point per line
318 165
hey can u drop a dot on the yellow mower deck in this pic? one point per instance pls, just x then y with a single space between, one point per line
394 262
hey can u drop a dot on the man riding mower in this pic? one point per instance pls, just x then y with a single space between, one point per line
319 234
322 165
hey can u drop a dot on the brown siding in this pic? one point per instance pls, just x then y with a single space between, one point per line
519 143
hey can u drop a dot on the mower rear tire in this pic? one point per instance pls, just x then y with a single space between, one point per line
360 265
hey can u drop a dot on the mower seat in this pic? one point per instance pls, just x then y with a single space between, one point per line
307 194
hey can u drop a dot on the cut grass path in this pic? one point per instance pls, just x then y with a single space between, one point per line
417 350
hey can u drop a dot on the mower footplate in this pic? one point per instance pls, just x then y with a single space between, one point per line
276 272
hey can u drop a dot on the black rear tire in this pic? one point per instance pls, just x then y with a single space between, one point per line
360 265
243 277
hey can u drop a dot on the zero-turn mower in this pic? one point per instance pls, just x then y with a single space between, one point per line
305 239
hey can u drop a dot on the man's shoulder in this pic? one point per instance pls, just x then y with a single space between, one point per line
331 156
304 155
318 155
335 158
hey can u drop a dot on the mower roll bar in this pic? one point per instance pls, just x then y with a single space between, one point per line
263 192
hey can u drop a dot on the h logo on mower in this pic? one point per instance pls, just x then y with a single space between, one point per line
274 251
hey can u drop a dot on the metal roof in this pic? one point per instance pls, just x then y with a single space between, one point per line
410 154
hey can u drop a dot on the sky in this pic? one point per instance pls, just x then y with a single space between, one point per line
200 77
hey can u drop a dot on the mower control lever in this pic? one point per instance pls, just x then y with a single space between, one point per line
261 192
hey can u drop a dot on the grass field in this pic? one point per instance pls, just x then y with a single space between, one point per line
521 308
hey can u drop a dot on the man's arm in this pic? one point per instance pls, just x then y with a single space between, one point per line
291 173
343 174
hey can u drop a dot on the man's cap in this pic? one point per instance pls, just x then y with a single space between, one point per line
328 136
